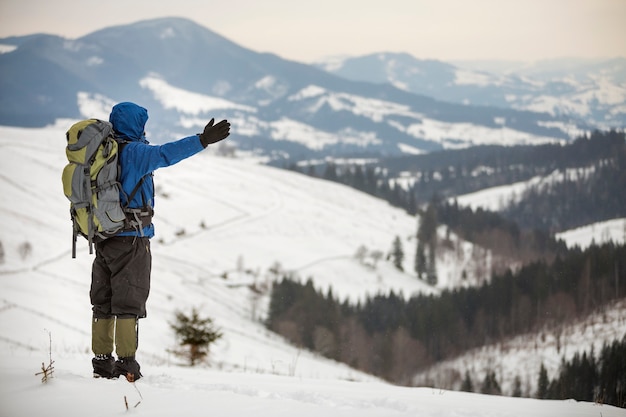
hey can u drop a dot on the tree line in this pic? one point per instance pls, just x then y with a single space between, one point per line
585 377
493 231
395 337
581 197
462 171
593 165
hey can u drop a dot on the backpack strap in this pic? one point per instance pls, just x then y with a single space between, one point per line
90 223
136 218
91 227
74 231
132 194
129 197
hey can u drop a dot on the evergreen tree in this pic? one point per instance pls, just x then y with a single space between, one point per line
467 384
427 236
517 387
420 261
431 268
612 374
371 180
586 379
330 172
359 178
543 383
395 194
397 253
412 203
284 294
194 335
428 225
490 384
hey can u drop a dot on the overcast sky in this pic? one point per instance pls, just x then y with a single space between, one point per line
305 31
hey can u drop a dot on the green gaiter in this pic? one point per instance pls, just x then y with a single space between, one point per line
126 337
102 336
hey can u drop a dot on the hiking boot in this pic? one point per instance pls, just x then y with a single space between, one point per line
103 366
128 368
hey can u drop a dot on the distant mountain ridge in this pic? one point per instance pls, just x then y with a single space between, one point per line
592 90
280 110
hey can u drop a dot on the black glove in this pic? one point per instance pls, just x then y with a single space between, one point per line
215 133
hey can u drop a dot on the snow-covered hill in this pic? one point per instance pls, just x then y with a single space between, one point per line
522 356
222 226
498 198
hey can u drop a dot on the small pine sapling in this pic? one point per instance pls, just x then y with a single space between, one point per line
194 334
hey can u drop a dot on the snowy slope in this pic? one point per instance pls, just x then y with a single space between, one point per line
523 355
598 233
221 225
497 198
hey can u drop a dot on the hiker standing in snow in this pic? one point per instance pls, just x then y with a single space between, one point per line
120 278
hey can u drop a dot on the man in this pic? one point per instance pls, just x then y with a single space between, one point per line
120 278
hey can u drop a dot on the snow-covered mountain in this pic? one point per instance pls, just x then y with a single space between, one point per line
223 226
185 74
590 90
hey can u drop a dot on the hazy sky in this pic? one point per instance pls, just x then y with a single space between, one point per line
308 30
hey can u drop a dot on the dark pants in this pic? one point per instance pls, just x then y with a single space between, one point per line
120 277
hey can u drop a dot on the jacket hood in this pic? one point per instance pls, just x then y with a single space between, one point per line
129 121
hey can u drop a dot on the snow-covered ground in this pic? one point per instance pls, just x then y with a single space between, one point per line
175 391
222 225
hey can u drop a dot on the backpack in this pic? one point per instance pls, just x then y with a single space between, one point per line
90 182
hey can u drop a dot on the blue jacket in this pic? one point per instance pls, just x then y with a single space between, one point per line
138 158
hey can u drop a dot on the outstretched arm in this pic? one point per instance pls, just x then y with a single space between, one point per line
147 158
